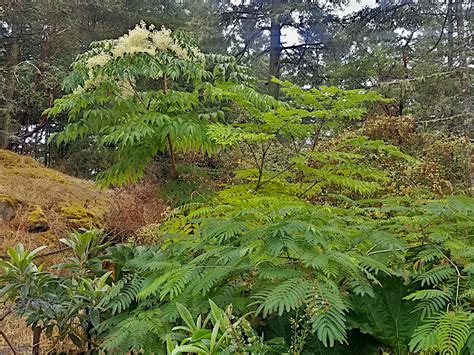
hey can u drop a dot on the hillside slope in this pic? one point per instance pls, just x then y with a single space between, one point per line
39 205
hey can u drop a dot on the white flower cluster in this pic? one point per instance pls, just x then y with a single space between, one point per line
146 39
136 41
98 60
141 39
126 88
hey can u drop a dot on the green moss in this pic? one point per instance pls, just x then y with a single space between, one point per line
36 214
12 201
37 221
79 216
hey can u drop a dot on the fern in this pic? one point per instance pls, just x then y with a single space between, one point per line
287 296
135 332
327 310
447 332
436 275
122 293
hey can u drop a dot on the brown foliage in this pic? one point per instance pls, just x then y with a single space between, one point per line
444 159
397 130
134 207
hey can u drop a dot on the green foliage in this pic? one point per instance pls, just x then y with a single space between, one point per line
331 104
306 233
446 333
272 234
34 292
226 335
86 246
387 316
341 268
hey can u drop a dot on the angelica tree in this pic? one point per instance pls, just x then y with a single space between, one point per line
147 92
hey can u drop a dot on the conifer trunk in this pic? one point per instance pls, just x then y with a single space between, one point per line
450 26
275 46
465 81
7 116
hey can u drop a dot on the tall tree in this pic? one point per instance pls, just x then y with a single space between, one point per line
287 31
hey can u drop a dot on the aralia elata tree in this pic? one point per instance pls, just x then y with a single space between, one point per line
144 93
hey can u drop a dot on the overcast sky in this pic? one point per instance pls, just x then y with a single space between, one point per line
290 36
355 6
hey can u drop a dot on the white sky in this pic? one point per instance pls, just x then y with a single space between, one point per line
290 36
356 6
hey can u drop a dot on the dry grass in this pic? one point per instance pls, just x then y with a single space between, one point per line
30 184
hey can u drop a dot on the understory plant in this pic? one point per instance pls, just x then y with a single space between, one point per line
58 305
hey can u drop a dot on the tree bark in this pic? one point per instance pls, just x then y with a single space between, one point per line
275 46
450 26
7 116
36 340
463 62
465 82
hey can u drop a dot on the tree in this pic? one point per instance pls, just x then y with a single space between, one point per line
50 36
256 27
149 91
406 50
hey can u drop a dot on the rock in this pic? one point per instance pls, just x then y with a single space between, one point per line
38 227
7 211
37 221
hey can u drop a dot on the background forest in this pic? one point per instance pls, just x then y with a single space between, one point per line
288 177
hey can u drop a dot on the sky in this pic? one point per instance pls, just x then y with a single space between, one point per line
356 6
290 36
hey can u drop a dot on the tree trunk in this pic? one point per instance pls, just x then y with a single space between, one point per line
450 26
36 340
7 116
463 62
464 79
275 46
174 170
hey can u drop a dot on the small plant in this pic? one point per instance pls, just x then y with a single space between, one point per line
86 246
35 294
62 307
219 333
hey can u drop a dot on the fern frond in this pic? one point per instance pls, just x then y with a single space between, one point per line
453 331
447 332
436 275
432 301
122 294
328 320
428 295
279 273
425 337
287 296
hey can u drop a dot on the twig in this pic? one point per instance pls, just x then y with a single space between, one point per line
42 255
5 315
309 188
8 342
458 279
